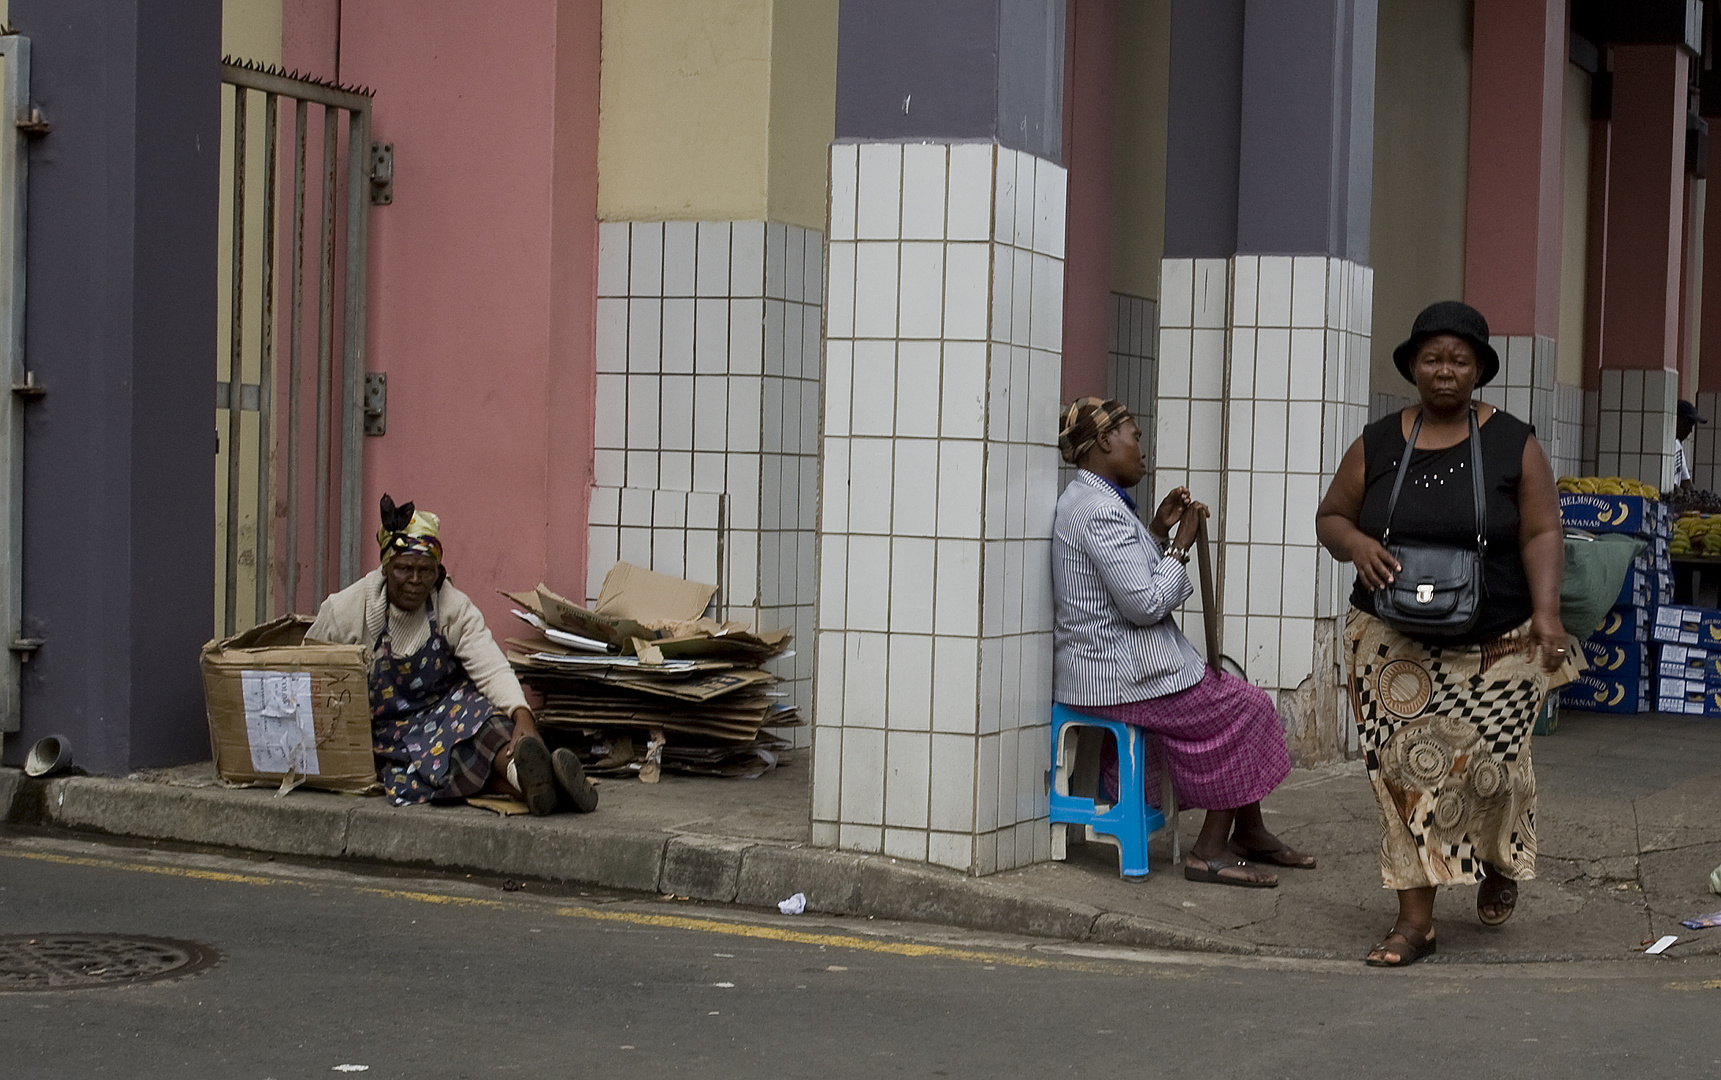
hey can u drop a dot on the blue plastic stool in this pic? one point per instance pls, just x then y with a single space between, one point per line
1128 822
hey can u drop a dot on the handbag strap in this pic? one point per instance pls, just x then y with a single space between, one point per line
1476 486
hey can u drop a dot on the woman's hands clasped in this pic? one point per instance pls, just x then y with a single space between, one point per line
1170 511
1180 510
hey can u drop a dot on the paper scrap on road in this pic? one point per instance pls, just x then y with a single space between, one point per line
350 1068
794 905
1661 944
1702 922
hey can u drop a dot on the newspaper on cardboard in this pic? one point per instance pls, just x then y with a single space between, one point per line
285 713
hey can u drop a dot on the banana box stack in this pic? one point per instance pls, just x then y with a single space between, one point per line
1623 676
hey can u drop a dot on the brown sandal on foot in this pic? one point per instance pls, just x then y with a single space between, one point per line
1416 946
1505 897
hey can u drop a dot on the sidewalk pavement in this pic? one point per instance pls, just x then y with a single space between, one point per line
1630 823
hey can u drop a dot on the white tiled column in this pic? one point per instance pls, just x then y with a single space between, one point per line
706 459
944 321
1636 415
1188 439
1525 386
1706 443
1565 443
1132 376
1263 384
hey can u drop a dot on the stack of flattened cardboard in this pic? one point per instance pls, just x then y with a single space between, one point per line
642 681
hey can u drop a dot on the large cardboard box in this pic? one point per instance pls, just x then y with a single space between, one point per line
283 712
1595 693
1613 513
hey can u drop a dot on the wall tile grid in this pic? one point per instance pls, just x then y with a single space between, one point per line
708 384
944 323
1263 384
1131 378
1566 448
1635 423
1705 444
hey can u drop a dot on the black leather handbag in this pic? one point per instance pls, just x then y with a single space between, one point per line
1438 593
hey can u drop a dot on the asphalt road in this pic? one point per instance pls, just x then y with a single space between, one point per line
322 967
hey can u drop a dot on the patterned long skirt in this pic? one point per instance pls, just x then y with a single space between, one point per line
1445 733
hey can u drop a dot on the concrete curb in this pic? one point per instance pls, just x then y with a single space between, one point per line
573 850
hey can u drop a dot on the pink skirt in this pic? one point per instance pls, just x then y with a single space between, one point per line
1221 741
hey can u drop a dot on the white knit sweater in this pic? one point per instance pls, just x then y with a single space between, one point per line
354 616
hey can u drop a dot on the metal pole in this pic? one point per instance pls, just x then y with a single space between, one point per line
235 362
295 318
14 174
353 357
266 364
325 331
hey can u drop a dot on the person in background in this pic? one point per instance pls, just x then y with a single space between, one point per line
1445 724
448 718
1120 655
1687 422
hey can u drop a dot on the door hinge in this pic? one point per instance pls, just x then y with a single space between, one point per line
25 647
28 390
381 173
376 403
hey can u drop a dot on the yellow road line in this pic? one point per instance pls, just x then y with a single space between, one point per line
633 918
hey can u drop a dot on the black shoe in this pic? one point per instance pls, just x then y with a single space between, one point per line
531 773
578 794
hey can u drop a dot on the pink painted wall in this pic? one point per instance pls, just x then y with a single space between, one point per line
482 271
1090 90
1516 193
1646 176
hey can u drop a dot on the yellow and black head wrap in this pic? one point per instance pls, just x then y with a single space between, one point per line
1084 421
407 531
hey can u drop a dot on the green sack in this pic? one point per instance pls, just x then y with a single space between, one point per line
1596 565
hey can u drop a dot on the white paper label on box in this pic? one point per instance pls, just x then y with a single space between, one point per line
278 721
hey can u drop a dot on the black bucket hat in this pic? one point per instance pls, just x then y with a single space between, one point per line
1449 317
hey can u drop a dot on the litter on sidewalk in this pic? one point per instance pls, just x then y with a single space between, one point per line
643 681
1702 922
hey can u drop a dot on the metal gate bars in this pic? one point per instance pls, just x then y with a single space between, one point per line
273 526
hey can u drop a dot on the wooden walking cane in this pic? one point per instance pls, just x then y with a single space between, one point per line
1210 619
1209 606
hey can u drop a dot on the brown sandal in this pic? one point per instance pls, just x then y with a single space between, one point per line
1505 896
1416 946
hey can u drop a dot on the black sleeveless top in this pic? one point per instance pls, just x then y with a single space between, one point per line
1437 505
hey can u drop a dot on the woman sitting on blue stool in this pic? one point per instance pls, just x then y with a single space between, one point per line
1121 656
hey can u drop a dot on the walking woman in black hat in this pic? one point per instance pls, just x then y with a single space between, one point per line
1445 714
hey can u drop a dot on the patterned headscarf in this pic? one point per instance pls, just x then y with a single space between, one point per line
1084 421
406 531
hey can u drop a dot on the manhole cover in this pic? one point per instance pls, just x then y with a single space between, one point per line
31 962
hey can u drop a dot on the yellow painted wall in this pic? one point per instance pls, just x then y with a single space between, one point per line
1138 154
684 130
1421 153
803 109
1574 243
250 30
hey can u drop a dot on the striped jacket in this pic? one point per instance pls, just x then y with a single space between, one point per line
1115 640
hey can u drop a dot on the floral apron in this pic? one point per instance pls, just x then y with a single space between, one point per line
431 730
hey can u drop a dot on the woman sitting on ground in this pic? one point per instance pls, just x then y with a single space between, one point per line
448 717
1445 724
1120 655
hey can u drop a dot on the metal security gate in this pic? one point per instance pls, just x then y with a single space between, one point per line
297 173
19 121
